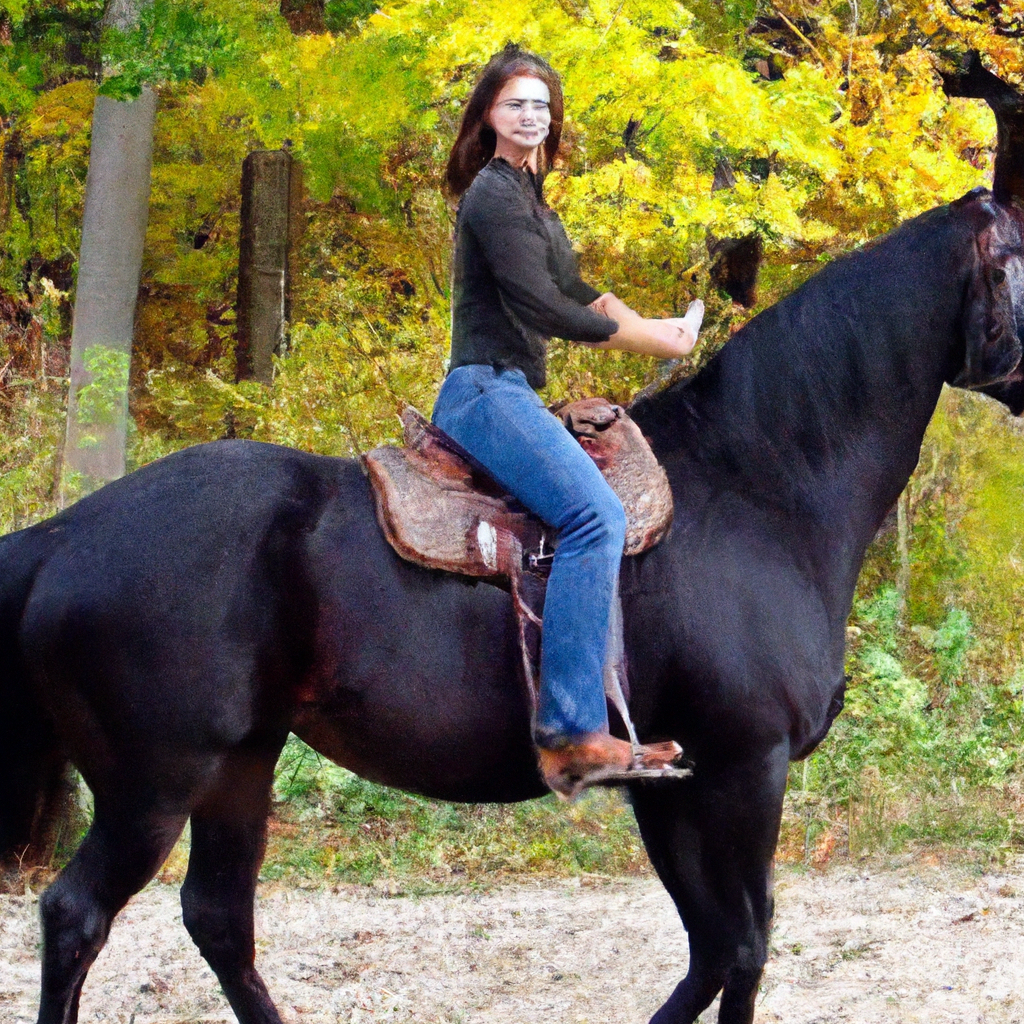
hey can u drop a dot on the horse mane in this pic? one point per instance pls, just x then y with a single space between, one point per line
783 398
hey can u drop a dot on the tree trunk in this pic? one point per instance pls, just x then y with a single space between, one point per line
109 267
304 15
271 189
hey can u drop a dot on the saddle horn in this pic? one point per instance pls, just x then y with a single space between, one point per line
974 81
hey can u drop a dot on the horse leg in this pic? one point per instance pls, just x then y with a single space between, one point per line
712 839
228 842
120 854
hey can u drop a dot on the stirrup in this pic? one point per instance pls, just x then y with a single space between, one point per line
622 777
637 771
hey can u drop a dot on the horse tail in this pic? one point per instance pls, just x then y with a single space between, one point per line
32 767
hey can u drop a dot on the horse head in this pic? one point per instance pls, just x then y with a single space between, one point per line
993 313
995 316
994 304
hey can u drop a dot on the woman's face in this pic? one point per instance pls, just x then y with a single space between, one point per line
520 117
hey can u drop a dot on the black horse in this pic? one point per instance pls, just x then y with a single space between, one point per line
167 632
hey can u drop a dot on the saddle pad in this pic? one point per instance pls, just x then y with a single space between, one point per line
622 453
439 508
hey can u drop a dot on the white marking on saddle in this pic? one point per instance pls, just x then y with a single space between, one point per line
487 540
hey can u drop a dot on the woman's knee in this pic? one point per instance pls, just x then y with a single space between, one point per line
599 525
614 517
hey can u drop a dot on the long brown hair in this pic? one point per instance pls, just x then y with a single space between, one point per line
476 140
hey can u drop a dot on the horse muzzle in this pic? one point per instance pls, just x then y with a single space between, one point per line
998 360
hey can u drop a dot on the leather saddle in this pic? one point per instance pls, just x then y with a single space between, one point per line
439 508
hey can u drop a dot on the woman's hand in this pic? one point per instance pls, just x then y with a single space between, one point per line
670 338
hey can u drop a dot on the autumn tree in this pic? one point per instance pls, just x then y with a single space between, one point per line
109 267
115 218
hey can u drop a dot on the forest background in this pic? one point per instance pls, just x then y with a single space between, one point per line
814 125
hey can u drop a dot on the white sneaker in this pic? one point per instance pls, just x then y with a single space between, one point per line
694 316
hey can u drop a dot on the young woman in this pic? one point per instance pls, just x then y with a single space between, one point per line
515 284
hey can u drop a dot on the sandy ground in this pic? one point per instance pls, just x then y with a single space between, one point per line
943 946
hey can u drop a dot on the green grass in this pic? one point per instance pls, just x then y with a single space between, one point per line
983 825
332 826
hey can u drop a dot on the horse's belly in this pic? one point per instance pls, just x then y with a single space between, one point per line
432 704
485 768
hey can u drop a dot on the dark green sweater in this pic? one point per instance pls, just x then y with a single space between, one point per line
515 279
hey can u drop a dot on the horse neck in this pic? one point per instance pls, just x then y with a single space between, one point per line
819 405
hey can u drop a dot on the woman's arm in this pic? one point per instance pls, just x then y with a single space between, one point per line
671 338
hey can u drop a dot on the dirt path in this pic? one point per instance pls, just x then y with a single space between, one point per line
861 946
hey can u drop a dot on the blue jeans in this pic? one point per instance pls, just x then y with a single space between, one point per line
501 421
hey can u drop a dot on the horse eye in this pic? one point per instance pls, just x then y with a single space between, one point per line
998 276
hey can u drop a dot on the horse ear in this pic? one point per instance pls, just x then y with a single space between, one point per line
992 346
